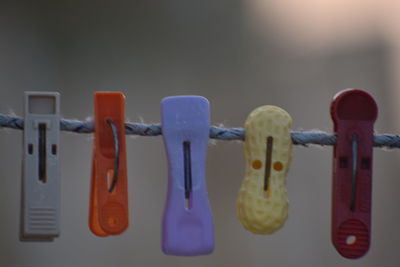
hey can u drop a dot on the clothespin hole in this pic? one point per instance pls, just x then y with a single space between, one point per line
188 203
257 164
343 162
30 149
365 163
54 149
42 151
187 163
110 178
112 183
268 163
351 240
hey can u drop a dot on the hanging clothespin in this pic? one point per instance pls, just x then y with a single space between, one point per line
187 223
353 113
40 202
109 194
262 205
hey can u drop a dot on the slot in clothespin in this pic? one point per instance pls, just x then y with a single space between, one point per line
108 213
187 222
40 202
354 113
262 205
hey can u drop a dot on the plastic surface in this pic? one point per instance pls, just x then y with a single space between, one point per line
354 113
40 202
108 211
262 205
187 228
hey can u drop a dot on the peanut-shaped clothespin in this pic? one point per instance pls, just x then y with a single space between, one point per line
40 202
187 223
108 213
262 205
354 113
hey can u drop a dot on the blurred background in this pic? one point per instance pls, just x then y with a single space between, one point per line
238 54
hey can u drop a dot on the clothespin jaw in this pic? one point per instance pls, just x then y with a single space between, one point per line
108 213
187 222
262 205
40 202
353 112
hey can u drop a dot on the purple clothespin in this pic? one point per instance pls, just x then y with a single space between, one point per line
187 223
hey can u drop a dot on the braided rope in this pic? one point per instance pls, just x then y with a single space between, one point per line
303 138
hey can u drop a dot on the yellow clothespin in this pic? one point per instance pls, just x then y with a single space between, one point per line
262 205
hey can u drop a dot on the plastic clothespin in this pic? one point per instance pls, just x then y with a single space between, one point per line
109 195
40 202
354 113
262 205
187 223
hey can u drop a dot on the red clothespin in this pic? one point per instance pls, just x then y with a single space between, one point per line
109 196
354 113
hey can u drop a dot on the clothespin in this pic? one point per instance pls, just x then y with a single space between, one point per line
40 202
353 113
262 205
109 196
187 223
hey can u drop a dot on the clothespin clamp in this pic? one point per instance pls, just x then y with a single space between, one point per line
187 223
109 196
40 202
262 205
353 113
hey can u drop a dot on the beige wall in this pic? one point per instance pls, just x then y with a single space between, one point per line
228 52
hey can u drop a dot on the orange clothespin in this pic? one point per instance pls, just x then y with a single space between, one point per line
108 213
